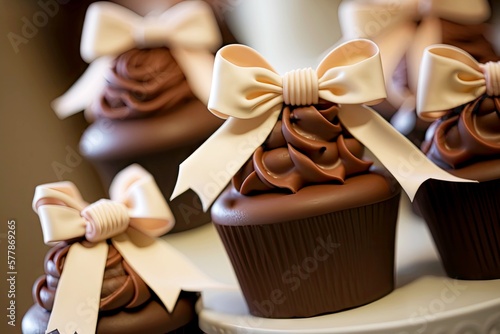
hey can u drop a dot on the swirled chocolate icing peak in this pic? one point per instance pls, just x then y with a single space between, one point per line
142 82
307 146
470 136
121 288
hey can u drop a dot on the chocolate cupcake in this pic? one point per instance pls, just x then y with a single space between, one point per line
308 226
108 271
147 87
147 114
402 31
127 304
465 141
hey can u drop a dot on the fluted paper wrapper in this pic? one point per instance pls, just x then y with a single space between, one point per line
318 265
464 220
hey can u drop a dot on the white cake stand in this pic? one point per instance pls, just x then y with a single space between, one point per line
425 299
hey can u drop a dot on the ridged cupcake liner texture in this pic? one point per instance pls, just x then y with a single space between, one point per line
315 266
464 220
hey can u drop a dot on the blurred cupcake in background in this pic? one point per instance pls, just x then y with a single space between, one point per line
145 90
462 96
403 29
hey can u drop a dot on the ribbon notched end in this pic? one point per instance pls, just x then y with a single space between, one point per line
184 183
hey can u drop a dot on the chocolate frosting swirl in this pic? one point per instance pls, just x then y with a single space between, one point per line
469 134
307 146
121 288
140 83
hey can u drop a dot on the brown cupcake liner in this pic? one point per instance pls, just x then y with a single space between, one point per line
164 166
464 220
318 265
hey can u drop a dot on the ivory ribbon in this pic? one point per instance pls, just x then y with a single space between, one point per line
248 91
393 26
188 28
134 218
450 77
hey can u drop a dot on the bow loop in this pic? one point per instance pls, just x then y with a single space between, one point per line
449 77
374 17
351 74
193 26
136 188
246 85
59 201
111 29
108 30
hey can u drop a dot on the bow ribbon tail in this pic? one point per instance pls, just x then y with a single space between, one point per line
76 303
197 66
210 168
402 159
85 90
167 274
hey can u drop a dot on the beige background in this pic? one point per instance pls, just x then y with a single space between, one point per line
33 141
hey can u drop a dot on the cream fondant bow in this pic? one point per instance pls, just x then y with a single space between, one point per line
134 218
393 26
450 77
248 91
189 29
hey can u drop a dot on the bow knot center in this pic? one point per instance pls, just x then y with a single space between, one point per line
151 33
105 219
300 87
492 76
